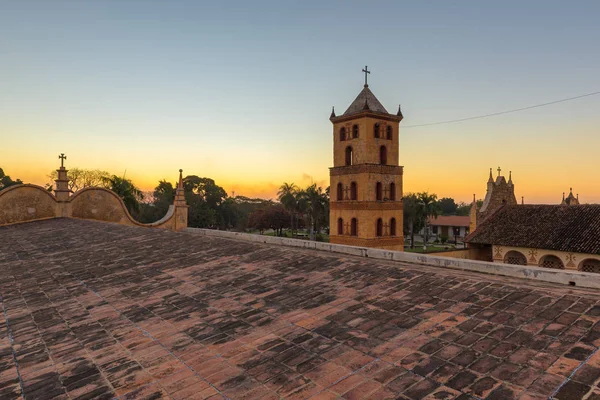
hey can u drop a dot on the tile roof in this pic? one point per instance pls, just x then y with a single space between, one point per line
365 96
554 227
450 220
96 310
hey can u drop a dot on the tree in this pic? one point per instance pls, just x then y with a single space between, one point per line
430 208
204 197
412 216
316 201
287 198
80 178
157 204
464 209
126 190
447 206
273 216
6 181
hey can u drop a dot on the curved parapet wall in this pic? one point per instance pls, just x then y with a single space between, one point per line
102 205
22 203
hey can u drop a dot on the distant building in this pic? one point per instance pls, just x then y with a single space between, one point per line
565 236
453 227
366 180
570 200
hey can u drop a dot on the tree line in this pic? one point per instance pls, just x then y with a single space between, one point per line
296 211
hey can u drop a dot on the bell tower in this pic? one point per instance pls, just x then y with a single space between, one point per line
366 180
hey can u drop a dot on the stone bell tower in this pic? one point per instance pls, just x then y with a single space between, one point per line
366 180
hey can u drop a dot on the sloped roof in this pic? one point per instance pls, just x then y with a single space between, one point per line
99 310
553 227
450 220
358 105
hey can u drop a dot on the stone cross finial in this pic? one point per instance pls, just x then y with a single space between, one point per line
62 159
499 170
366 71
180 183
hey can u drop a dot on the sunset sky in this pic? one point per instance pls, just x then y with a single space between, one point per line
241 92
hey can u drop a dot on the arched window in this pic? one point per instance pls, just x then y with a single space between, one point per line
349 160
551 261
393 227
342 134
353 191
383 155
515 258
378 191
376 130
354 227
354 131
340 226
389 132
392 191
340 192
590 265
379 227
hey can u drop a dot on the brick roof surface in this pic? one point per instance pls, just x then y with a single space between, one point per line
358 105
573 228
96 310
450 220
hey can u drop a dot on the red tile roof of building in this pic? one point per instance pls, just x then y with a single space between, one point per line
450 220
573 228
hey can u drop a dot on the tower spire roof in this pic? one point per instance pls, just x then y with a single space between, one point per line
365 100
491 178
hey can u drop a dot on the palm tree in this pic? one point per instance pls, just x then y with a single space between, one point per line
287 198
315 199
429 208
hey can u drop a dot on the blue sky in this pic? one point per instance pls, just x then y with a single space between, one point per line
242 91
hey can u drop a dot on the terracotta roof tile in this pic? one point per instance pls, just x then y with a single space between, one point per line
450 220
97 310
573 228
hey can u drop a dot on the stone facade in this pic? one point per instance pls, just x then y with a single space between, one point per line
366 179
546 258
499 192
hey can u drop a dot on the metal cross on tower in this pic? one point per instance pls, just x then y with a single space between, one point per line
366 71
499 170
62 159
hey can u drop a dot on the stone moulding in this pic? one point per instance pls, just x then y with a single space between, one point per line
24 203
565 277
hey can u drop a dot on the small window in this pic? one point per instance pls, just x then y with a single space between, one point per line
378 192
379 227
354 227
354 131
340 192
393 227
349 160
392 191
383 155
389 132
342 134
376 130
353 191
340 226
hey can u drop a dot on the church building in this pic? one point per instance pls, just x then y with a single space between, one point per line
366 179
561 236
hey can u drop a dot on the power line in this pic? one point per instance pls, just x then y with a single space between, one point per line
502 112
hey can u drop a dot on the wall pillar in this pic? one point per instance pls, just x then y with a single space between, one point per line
62 193
181 207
